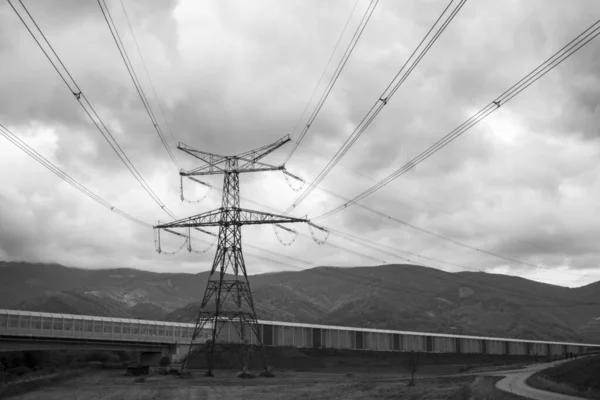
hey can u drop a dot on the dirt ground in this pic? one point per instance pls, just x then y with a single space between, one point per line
113 385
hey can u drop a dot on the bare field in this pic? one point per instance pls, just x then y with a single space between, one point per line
113 385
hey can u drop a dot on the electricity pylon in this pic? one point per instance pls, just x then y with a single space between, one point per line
228 299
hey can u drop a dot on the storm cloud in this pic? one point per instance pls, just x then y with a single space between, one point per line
233 75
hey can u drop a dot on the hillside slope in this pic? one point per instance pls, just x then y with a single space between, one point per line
403 297
23 281
408 297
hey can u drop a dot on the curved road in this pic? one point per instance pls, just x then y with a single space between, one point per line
515 382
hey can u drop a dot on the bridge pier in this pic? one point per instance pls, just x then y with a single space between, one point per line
181 351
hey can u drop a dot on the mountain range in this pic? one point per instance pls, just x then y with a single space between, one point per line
400 297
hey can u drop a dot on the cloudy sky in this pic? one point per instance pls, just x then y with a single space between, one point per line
235 75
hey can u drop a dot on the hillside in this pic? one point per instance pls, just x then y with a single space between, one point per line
128 287
405 297
417 298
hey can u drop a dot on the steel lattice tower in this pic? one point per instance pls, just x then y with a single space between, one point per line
228 299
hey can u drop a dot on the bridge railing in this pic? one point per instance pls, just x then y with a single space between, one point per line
34 324
47 325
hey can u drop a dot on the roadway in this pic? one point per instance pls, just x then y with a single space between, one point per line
516 382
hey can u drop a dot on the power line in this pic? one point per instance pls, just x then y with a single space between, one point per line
319 83
61 174
382 100
134 78
86 105
351 170
79 95
148 73
328 243
79 92
359 31
14 139
377 246
581 40
445 238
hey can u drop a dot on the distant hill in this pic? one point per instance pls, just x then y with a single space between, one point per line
408 297
129 287
403 297
75 302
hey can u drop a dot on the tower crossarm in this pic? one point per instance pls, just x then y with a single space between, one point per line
211 159
207 170
209 218
253 156
251 217
230 216
248 161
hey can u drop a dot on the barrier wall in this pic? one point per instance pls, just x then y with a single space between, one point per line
47 325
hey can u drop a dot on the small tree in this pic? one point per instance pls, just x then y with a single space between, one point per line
412 364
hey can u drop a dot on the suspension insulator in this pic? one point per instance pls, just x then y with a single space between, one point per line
193 201
210 246
287 179
167 253
314 237
291 242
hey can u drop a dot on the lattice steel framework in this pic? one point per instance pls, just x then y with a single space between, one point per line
229 298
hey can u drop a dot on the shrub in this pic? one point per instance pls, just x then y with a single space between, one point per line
165 361
245 375
268 373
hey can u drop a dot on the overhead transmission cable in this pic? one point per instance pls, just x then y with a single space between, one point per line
147 73
10 136
581 40
351 170
61 174
88 108
384 98
378 245
70 82
130 69
357 34
14 139
78 94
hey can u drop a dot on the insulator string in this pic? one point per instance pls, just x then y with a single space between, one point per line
287 180
157 240
189 243
192 201
291 242
317 241
157 243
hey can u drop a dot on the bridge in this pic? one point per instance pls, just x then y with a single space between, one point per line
30 330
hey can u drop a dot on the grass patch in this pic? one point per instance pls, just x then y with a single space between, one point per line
357 361
7 390
580 377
